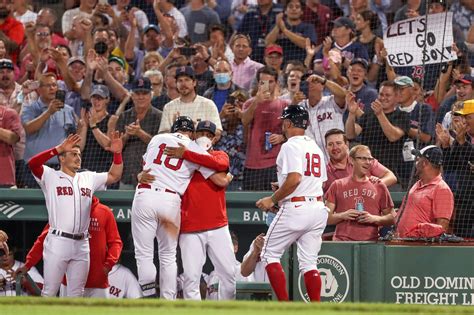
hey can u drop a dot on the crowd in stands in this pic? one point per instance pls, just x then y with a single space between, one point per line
92 67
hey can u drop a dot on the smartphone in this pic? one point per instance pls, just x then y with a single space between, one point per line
61 95
127 8
230 100
304 87
86 105
187 51
2 252
266 85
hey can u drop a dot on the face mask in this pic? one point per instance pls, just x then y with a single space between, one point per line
204 142
222 78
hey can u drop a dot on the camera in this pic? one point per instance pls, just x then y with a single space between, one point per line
187 51
86 105
100 48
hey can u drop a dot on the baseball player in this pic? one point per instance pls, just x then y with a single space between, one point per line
252 267
123 284
302 215
204 223
105 248
68 197
8 271
161 220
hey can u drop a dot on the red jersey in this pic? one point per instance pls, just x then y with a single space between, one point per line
15 31
105 245
203 204
345 193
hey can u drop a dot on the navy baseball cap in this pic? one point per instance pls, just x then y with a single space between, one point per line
141 85
101 90
185 71
344 21
6 64
360 61
432 153
206 125
153 27
464 79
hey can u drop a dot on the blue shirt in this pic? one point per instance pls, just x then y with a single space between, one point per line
53 131
220 96
351 50
290 50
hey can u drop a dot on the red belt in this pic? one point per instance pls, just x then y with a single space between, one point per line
301 198
147 186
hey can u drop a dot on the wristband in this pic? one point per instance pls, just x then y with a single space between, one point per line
273 199
118 158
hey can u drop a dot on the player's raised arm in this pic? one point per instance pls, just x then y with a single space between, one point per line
219 163
116 146
36 162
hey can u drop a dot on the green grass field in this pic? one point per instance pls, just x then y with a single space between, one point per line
44 306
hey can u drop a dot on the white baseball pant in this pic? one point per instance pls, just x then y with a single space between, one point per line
219 247
61 256
156 214
88 292
300 222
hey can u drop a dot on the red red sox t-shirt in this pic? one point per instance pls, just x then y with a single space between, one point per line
345 193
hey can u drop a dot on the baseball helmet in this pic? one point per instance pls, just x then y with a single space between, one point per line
183 123
297 114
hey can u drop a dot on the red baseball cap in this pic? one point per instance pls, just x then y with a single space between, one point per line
273 49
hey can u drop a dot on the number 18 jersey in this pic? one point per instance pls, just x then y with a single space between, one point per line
172 173
300 154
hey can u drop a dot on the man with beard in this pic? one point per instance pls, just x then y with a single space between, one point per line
8 87
340 166
189 103
11 30
357 205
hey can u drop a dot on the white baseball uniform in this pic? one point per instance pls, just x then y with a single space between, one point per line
213 282
68 200
302 216
9 284
157 206
123 284
102 293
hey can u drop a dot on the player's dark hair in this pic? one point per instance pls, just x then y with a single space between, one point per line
335 131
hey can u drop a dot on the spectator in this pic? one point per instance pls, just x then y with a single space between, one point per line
459 158
151 61
80 35
325 112
170 92
320 16
344 42
10 133
8 87
124 10
412 9
222 8
357 205
8 267
199 18
94 139
47 122
429 200
156 80
168 7
139 124
202 73
251 266
85 10
47 16
382 129
232 138
260 118
424 122
340 166
463 15
257 23
464 86
273 58
293 83
244 69
189 103
291 32
218 47
12 31
22 13
357 74
223 86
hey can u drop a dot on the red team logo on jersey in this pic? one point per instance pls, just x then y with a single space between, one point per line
68 191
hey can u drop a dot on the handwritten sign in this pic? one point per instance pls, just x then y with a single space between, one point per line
406 40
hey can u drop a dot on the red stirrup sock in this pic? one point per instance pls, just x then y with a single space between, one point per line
277 280
312 281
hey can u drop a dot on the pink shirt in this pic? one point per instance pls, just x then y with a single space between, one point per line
245 72
376 169
425 204
345 193
10 120
265 119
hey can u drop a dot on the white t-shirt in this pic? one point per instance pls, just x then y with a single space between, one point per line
200 109
174 174
69 199
323 117
180 21
123 284
69 15
301 155
259 274
10 284
28 16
